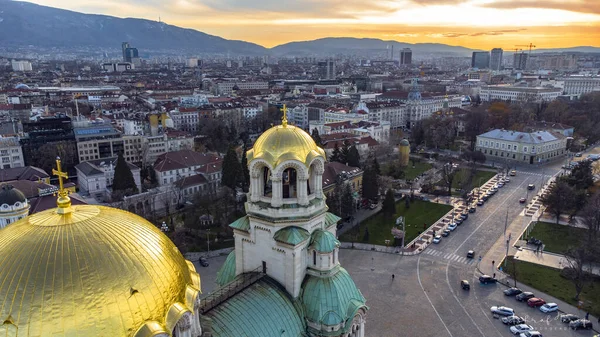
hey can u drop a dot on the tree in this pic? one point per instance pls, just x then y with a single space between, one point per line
582 176
245 171
334 198
576 260
344 152
590 217
353 158
370 182
347 201
375 164
123 182
559 199
316 137
231 169
389 203
335 155
473 156
448 175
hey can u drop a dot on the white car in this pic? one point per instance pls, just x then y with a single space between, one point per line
531 334
502 311
549 307
506 180
452 226
500 184
521 328
437 239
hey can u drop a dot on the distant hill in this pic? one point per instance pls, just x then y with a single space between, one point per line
336 45
24 23
581 49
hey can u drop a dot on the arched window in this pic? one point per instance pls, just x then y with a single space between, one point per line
267 184
289 183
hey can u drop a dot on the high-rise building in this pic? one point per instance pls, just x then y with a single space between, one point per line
129 53
124 47
406 56
327 70
480 60
496 59
21 65
520 61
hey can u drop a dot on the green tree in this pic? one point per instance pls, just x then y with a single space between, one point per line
336 154
347 201
123 182
559 199
389 203
316 137
334 198
245 171
353 157
582 176
375 164
370 183
344 152
231 169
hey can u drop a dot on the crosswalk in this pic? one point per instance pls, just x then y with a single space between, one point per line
536 174
449 256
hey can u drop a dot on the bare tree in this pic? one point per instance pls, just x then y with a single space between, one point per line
448 175
590 218
559 199
576 259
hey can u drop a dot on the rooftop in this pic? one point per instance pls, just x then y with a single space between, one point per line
537 137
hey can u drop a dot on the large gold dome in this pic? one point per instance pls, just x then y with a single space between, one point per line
285 142
92 271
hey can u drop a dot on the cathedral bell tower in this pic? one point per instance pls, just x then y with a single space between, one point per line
285 205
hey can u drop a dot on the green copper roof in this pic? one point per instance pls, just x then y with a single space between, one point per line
331 300
323 241
227 272
242 224
331 219
263 309
292 235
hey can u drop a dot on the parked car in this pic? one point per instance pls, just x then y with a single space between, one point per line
203 262
531 333
568 318
464 215
480 202
513 320
578 154
520 328
472 209
458 221
372 206
549 307
512 291
445 232
500 184
470 254
531 187
437 239
581 324
465 285
524 296
485 279
452 226
513 173
485 198
522 200
506 180
502 311
535 302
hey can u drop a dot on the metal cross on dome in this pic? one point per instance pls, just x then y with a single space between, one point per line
284 118
60 175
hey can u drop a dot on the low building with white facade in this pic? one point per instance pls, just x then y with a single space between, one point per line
579 85
518 94
173 166
534 147
95 177
379 131
11 153
185 119
226 88
13 205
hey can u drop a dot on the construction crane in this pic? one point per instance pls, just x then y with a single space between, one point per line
531 45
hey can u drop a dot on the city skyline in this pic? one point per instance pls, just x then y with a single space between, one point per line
547 24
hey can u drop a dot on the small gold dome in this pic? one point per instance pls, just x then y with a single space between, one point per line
285 142
94 271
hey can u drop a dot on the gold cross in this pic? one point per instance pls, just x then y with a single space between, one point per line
284 118
61 190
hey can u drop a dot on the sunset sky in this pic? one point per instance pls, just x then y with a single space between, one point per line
480 24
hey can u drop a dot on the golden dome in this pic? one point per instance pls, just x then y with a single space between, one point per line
285 142
92 271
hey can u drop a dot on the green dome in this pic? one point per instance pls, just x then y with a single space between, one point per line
292 235
323 241
227 272
331 300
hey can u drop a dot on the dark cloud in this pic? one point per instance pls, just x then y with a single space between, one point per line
497 32
580 6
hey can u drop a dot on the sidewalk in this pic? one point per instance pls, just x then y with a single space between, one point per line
549 260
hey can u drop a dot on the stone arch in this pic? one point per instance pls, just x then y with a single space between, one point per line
260 173
301 170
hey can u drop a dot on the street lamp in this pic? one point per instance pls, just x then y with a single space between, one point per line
207 242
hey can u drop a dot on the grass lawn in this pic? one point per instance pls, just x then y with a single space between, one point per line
412 173
558 238
480 178
549 281
380 226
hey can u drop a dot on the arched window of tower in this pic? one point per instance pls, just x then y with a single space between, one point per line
290 183
267 183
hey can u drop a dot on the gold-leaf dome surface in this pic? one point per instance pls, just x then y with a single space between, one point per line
285 142
96 271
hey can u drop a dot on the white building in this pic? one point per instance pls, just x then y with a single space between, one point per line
185 119
13 205
579 85
524 147
380 131
195 100
393 112
11 153
298 116
21 65
226 88
173 166
95 178
518 94
132 127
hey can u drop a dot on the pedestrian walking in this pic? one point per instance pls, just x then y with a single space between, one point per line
393 276
494 275
587 316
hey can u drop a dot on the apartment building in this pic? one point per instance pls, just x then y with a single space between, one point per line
97 140
519 94
95 177
11 153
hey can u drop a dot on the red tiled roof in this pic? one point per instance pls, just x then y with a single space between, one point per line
332 169
183 159
196 179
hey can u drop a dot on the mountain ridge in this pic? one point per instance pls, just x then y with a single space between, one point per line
24 24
